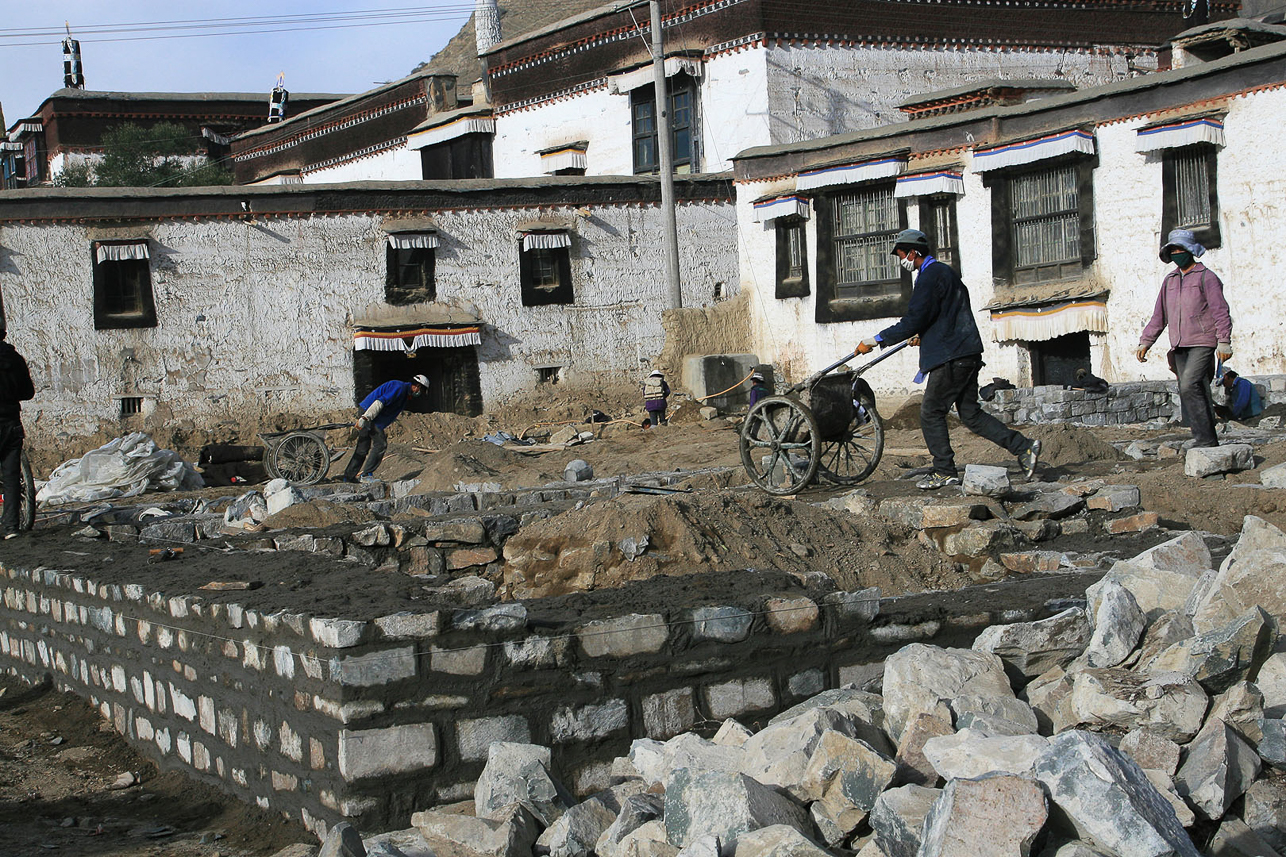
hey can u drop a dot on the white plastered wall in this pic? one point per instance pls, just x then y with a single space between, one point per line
400 164
254 318
595 115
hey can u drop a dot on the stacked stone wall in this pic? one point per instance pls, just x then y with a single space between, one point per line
327 719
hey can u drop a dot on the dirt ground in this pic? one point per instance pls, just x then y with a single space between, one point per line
715 540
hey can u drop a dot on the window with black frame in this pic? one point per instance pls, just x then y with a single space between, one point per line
1043 222
792 258
544 263
938 222
865 223
682 93
411 261
122 285
1189 198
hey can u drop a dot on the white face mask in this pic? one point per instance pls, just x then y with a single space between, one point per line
908 263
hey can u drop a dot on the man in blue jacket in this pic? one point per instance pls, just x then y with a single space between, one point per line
15 387
379 410
951 355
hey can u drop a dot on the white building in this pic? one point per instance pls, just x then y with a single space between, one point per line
1053 211
140 307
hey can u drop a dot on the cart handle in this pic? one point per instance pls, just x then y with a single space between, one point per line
817 376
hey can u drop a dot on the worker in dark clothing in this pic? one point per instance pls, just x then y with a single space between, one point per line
758 389
379 410
656 395
1243 400
951 356
15 387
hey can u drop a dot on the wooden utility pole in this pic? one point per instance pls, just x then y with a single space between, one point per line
664 145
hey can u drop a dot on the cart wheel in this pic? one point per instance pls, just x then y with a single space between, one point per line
854 457
780 445
26 497
301 458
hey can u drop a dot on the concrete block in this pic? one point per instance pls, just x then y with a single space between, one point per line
369 753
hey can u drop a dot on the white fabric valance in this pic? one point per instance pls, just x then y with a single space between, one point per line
450 131
850 173
623 84
407 341
545 240
121 252
562 159
27 128
782 206
1050 321
413 241
1030 151
924 184
1205 130
7 146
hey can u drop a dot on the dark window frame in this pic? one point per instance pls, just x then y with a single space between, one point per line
1002 251
1208 235
792 280
398 291
537 261
468 156
894 296
929 226
112 279
643 101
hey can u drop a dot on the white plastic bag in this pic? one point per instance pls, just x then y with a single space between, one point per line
124 467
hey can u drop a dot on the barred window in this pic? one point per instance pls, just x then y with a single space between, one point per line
792 259
938 222
1046 216
1190 198
865 224
1192 192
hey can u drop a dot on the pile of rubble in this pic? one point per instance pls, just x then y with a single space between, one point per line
1128 725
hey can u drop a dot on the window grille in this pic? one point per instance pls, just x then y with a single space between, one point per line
1192 190
865 224
943 214
131 405
1046 218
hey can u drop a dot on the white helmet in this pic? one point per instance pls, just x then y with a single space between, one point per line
422 381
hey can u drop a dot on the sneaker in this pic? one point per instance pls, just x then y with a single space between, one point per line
936 480
1029 458
368 477
347 478
13 535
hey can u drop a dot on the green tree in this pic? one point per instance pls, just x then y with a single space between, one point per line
161 155
75 175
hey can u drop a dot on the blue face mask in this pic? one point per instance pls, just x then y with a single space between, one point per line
1182 258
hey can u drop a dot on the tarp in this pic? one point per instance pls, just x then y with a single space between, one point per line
124 467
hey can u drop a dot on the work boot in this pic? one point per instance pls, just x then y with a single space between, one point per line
1029 458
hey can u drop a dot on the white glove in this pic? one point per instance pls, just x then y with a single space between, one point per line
363 422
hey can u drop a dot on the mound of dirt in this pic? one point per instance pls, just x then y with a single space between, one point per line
319 513
1063 443
907 416
483 461
630 538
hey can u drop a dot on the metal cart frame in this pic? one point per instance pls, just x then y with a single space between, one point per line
299 456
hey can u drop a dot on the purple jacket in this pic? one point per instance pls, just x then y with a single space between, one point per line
1192 306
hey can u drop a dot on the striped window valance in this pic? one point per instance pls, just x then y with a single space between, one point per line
121 252
924 184
781 206
1049 321
545 240
450 131
623 84
413 240
1030 151
570 158
850 173
409 339
1181 133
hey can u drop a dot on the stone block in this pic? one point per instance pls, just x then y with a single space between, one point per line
1114 498
1273 477
962 821
724 805
342 840
468 661
851 768
952 514
1118 624
985 480
969 754
464 531
980 538
858 604
519 774
668 714
578 470
365 753
1033 648
791 615
1223 656
1151 751
1169 704
1264 811
405 625
382 667
776 840
460 558
636 811
1241 707
921 678
1109 800
456 834
588 722
1234 838
913 767
904 510
497 619
475 737
1051 504
1217 769
1133 524
898 819
1271 681
577 830
621 637
1208 461
338 633
1032 562
739 696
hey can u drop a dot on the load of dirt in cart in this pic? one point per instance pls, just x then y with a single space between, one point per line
635 537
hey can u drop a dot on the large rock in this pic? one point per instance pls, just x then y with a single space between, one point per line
1165 785
963 820
1235 838
1050 505
519 774
836 816
342 841
898 819
577 831
1209 460
912 765
1109 800
1271 682
1264 810
1151 751
1256 579
994 715
779 840
1118 624
921 678
1218 768
860 772
1272 742
1031 648
454 834
1167 629
968 755
1221 657
779 754
655 761
1241 707
985 480
636 810
1170 704
1073 848
1161 578
1050 696
700 803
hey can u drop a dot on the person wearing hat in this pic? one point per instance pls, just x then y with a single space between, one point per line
1191 305
758 389
656 394
15 387
379 410
951 356
1243 400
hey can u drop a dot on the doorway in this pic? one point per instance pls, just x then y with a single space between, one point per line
454 383
1055 361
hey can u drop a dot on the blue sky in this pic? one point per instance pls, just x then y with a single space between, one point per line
347 58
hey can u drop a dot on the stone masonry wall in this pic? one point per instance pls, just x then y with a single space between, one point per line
1135 402
328 718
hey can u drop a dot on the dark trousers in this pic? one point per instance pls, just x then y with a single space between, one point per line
1195 367
369 452
657 416
956 383
11 436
